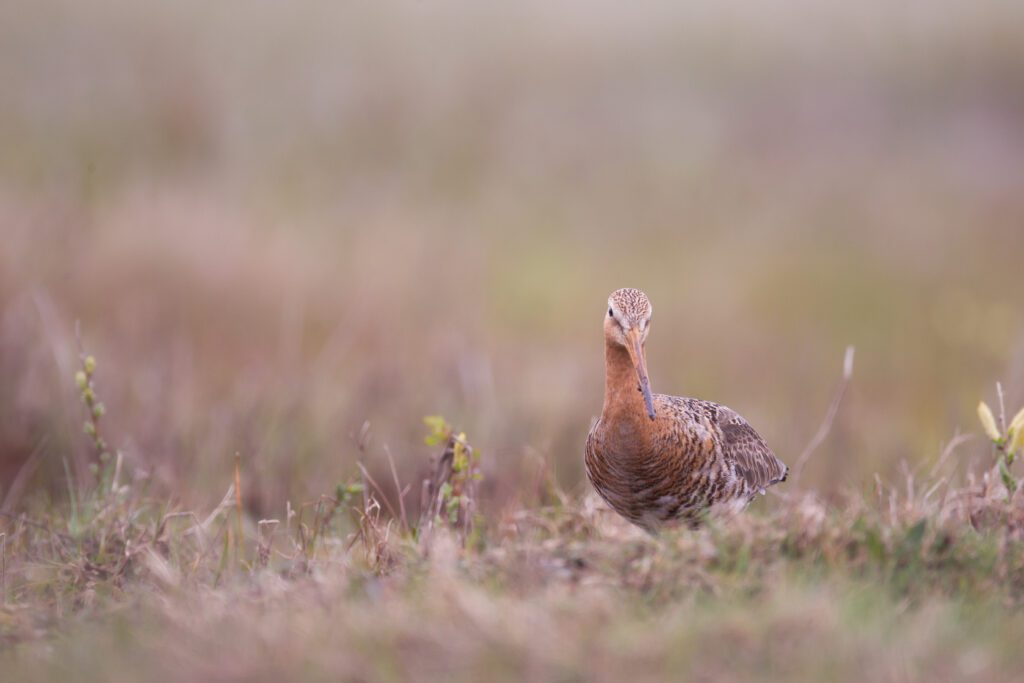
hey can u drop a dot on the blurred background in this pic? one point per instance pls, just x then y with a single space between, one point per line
277 222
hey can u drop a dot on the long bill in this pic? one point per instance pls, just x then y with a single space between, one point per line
636 354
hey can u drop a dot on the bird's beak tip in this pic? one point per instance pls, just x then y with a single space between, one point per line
636 353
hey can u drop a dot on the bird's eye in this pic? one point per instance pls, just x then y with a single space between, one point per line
610 313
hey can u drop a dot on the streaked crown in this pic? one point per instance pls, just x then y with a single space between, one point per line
630 306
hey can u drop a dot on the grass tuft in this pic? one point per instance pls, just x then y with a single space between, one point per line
120 582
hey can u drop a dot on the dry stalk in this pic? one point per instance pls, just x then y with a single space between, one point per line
830 416
238 508
432 501
3 569
264 544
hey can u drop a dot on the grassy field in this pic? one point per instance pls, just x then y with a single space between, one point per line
287 235
918 582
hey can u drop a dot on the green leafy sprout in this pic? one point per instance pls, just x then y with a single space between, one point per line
1007 440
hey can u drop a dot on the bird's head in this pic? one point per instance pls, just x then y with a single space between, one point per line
626 324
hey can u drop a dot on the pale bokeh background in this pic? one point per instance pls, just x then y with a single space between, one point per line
275 222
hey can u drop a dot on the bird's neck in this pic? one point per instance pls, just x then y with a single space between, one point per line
622 397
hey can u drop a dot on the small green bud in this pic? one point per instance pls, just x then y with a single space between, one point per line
89 428
81 380
104 456
90 365
88 395
98 410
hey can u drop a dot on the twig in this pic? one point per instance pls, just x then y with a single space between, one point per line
830 416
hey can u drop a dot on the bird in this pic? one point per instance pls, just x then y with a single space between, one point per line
662 460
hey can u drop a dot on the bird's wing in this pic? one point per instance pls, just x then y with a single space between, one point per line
745 447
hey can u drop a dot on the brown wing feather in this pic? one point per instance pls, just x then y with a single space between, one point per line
743 446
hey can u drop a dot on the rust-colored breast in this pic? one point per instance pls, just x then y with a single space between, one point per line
694 457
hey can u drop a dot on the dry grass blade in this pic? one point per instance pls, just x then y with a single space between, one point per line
826 424
265 529
25 472
379 490
225 504
954 443
3 568
402 491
